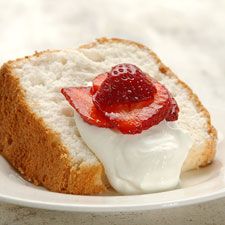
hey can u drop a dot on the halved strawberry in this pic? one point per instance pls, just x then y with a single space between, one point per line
125 83
80 98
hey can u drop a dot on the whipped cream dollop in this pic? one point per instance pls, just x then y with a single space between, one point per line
140 163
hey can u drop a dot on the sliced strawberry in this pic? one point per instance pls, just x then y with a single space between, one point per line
98 81
116 108
80 98
173 113
132 118
125 83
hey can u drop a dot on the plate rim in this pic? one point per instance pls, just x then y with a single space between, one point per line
112 208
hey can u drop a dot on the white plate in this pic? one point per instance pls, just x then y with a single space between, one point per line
196 186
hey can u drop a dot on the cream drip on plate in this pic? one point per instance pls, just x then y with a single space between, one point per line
140 163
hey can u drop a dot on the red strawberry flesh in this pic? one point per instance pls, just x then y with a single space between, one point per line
173 113
97 82
80 98
133 118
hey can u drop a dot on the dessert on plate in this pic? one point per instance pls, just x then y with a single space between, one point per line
107 115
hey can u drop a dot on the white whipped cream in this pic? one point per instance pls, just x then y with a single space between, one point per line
140 163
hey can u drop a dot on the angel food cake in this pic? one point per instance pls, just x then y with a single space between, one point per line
106 115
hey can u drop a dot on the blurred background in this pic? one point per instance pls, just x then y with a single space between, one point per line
188 35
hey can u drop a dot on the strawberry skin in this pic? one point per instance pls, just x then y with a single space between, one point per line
125 83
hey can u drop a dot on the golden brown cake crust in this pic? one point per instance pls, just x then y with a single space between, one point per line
35 150
38 153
